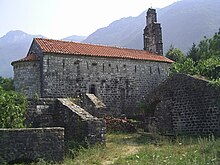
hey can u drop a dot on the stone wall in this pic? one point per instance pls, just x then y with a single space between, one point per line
32 144
27 77
94 106
80 126
186 105
120 83
40 112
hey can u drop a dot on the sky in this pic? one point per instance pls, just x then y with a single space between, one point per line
58 19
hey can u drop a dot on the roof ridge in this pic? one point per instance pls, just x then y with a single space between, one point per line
109 46
86 49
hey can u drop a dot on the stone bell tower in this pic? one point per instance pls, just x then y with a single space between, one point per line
153 33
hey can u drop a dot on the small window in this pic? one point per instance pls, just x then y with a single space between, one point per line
63 63
87 65
94 64
135 69
92 89
150 70
76 62
109 65
48 62
103 67
158 70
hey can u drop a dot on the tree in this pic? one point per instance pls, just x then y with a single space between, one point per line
207 48
175 54
203 60
187 67
193 53
209 68
6 83
12 106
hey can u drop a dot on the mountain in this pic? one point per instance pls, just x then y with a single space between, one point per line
183 23
75 38
13 46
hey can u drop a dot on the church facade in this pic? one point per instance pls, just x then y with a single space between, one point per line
120 77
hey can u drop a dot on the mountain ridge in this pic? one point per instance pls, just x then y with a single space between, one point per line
183 23
15 44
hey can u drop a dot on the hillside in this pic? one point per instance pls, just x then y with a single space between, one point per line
183 23
13 46
75 38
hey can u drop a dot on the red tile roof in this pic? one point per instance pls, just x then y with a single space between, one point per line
30 57
73 48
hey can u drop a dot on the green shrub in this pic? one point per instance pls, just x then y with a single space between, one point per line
12 109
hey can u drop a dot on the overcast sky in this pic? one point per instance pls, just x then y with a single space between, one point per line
61 18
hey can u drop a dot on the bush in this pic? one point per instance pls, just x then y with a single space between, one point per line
12 109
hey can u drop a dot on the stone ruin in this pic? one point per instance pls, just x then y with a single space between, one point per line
55 122
184 105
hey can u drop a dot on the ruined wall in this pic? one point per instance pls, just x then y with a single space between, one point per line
186 105
94 106
27 77
120 83
80 126
153 33
31 144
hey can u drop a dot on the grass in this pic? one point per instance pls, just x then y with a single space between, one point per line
183 151
148 149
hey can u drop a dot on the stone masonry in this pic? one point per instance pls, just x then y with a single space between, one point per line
31 144
185 105
79 125
153 33
120 77
120 84
94 106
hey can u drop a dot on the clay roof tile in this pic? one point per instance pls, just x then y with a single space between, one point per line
29 57
74 48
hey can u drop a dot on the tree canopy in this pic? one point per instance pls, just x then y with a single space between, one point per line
202 59
175 54
12 105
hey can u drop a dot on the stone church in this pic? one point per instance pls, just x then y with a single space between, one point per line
120 77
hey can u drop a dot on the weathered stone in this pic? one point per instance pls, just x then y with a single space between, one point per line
186 105
153 33
94 106
79 125
31 144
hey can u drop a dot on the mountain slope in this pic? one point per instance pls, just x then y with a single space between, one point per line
183 23
75 38
13 46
